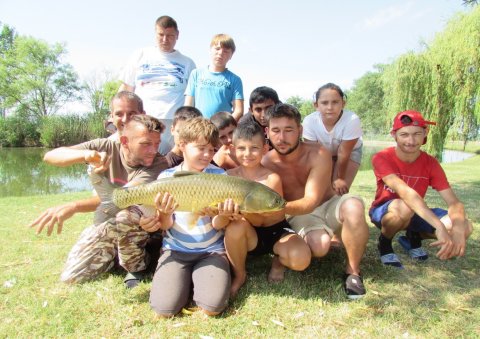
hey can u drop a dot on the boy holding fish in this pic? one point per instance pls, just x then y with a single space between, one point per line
266 232
193 252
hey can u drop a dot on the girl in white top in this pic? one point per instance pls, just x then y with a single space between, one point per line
339 131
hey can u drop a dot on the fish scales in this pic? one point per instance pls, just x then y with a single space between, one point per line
191 192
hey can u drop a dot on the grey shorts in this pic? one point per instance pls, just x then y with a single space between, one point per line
177 271
355 156
326 217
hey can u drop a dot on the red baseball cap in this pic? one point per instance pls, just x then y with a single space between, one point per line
410 118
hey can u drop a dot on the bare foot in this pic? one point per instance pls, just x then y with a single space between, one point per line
277 272
237 283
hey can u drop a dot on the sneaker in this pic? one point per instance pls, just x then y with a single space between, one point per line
354 286
419 254
132 279
391 259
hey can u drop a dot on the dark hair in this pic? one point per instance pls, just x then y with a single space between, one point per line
281 110
150 123
185 113
166 21
130 96
330 86
406 120
262 94
247 131
223 120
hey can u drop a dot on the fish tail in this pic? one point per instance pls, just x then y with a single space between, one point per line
104 189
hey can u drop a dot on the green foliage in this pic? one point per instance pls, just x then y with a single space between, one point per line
33 79
16 131
442 82
366 99
66 130
304 106
98 91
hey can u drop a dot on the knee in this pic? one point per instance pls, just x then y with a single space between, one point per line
236 231
299 258
127 217
319 243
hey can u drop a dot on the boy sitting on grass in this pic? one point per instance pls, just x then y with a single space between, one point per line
264 233
226 124
191 255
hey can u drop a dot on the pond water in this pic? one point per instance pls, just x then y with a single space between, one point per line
23 172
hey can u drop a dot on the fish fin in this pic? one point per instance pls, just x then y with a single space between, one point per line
185 173
104 189
192 220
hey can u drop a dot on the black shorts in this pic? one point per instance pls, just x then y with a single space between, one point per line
268 236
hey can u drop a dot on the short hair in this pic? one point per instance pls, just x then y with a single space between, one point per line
262 94
247 130
330 86
199 128
223 119
185 113
166 21
224 40
150 123
129 96
282 110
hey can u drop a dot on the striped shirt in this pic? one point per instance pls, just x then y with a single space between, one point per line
200 238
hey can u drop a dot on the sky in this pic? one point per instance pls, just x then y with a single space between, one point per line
291 46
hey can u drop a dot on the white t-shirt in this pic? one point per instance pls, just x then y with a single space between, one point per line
160 79
347 128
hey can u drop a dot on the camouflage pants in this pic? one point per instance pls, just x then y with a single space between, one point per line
95 251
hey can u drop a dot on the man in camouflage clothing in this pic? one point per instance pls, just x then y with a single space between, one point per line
131 160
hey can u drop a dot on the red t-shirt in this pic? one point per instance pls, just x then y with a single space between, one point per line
425 171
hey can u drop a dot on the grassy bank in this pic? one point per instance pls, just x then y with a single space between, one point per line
434 299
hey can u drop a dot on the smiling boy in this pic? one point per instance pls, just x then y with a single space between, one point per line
267 232
404 173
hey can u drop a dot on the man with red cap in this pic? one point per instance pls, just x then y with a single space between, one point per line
403 174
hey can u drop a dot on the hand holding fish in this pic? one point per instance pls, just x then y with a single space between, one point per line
100 161
150 224
165 205
227 211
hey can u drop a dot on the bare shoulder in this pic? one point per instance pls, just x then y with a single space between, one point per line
315 151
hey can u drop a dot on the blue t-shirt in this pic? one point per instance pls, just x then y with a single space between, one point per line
214 91
182 236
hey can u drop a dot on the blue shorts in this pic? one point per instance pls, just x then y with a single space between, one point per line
417 224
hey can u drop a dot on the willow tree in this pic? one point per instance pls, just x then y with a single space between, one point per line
442 82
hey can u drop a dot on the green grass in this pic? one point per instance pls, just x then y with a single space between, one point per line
434 299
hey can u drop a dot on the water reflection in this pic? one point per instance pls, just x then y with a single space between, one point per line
23 172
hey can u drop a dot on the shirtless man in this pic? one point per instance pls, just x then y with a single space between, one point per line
313 209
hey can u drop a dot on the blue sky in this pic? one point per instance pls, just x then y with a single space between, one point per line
292 46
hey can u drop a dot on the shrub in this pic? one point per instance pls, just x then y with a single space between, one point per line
17 131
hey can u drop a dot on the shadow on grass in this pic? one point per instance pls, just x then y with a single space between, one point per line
433 282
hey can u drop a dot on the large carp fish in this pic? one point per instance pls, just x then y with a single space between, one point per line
192 192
